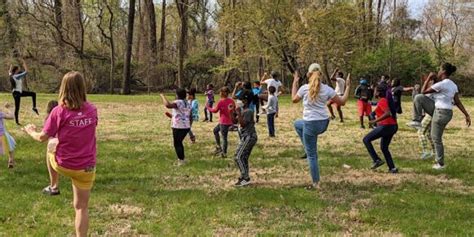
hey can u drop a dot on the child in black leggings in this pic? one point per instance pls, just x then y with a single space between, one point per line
16 80
181 120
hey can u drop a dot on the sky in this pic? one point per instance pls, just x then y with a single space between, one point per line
415 6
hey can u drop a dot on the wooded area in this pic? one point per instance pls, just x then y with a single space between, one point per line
147 46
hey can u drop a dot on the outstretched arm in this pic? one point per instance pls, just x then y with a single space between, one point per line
459 104
38 136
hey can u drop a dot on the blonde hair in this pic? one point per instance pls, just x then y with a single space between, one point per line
72 93
314 85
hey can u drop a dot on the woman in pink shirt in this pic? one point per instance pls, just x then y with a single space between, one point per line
225 121
74 123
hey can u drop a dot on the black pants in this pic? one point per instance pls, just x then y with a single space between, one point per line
178 137
206 112
386 133
242 154
17 97
224 129
257 110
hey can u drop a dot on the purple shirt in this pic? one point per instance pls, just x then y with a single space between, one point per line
75 130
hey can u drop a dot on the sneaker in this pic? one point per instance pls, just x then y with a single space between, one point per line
35 110
377 164
393 171
205 120
414 124
242 182
181 162
50 191
193 139
426 155
437 166
234 128
313 186
362 127
217 151
304 156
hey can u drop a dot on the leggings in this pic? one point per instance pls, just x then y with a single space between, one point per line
243 153
386 132
178 137
207 113
17 97
224 129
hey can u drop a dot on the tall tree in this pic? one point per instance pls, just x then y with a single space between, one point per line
150 10
182 6
109 38
128 50
163 31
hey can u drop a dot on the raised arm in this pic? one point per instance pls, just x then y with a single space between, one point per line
342 100
25 67
238 85
459 104
426 88
167 103
294 89
333 76
264 78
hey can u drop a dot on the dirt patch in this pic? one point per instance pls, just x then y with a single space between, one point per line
364 177
124 210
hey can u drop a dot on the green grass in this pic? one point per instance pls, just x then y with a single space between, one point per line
140 191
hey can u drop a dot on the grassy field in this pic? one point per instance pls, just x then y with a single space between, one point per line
140 191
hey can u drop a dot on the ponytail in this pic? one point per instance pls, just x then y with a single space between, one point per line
314 85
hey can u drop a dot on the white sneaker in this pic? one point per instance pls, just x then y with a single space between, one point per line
438 166
426 155
414 124
181 162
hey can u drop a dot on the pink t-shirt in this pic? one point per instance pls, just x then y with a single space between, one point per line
75 130
224 112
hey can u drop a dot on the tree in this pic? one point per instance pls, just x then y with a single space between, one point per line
110 38
128 51
163 31
182 6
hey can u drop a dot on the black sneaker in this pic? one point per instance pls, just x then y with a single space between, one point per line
35 110
377 164
304 156
242 182
393 171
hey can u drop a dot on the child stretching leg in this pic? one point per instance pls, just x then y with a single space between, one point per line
74 122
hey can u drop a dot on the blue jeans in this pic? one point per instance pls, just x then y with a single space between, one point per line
386 133
308 132
271 124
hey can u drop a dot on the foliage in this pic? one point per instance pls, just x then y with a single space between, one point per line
406 61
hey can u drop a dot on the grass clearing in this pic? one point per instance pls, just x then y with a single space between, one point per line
140 191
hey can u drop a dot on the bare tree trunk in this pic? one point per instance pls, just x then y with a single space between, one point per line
11 33
150 10
182 6
163 31
128 51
